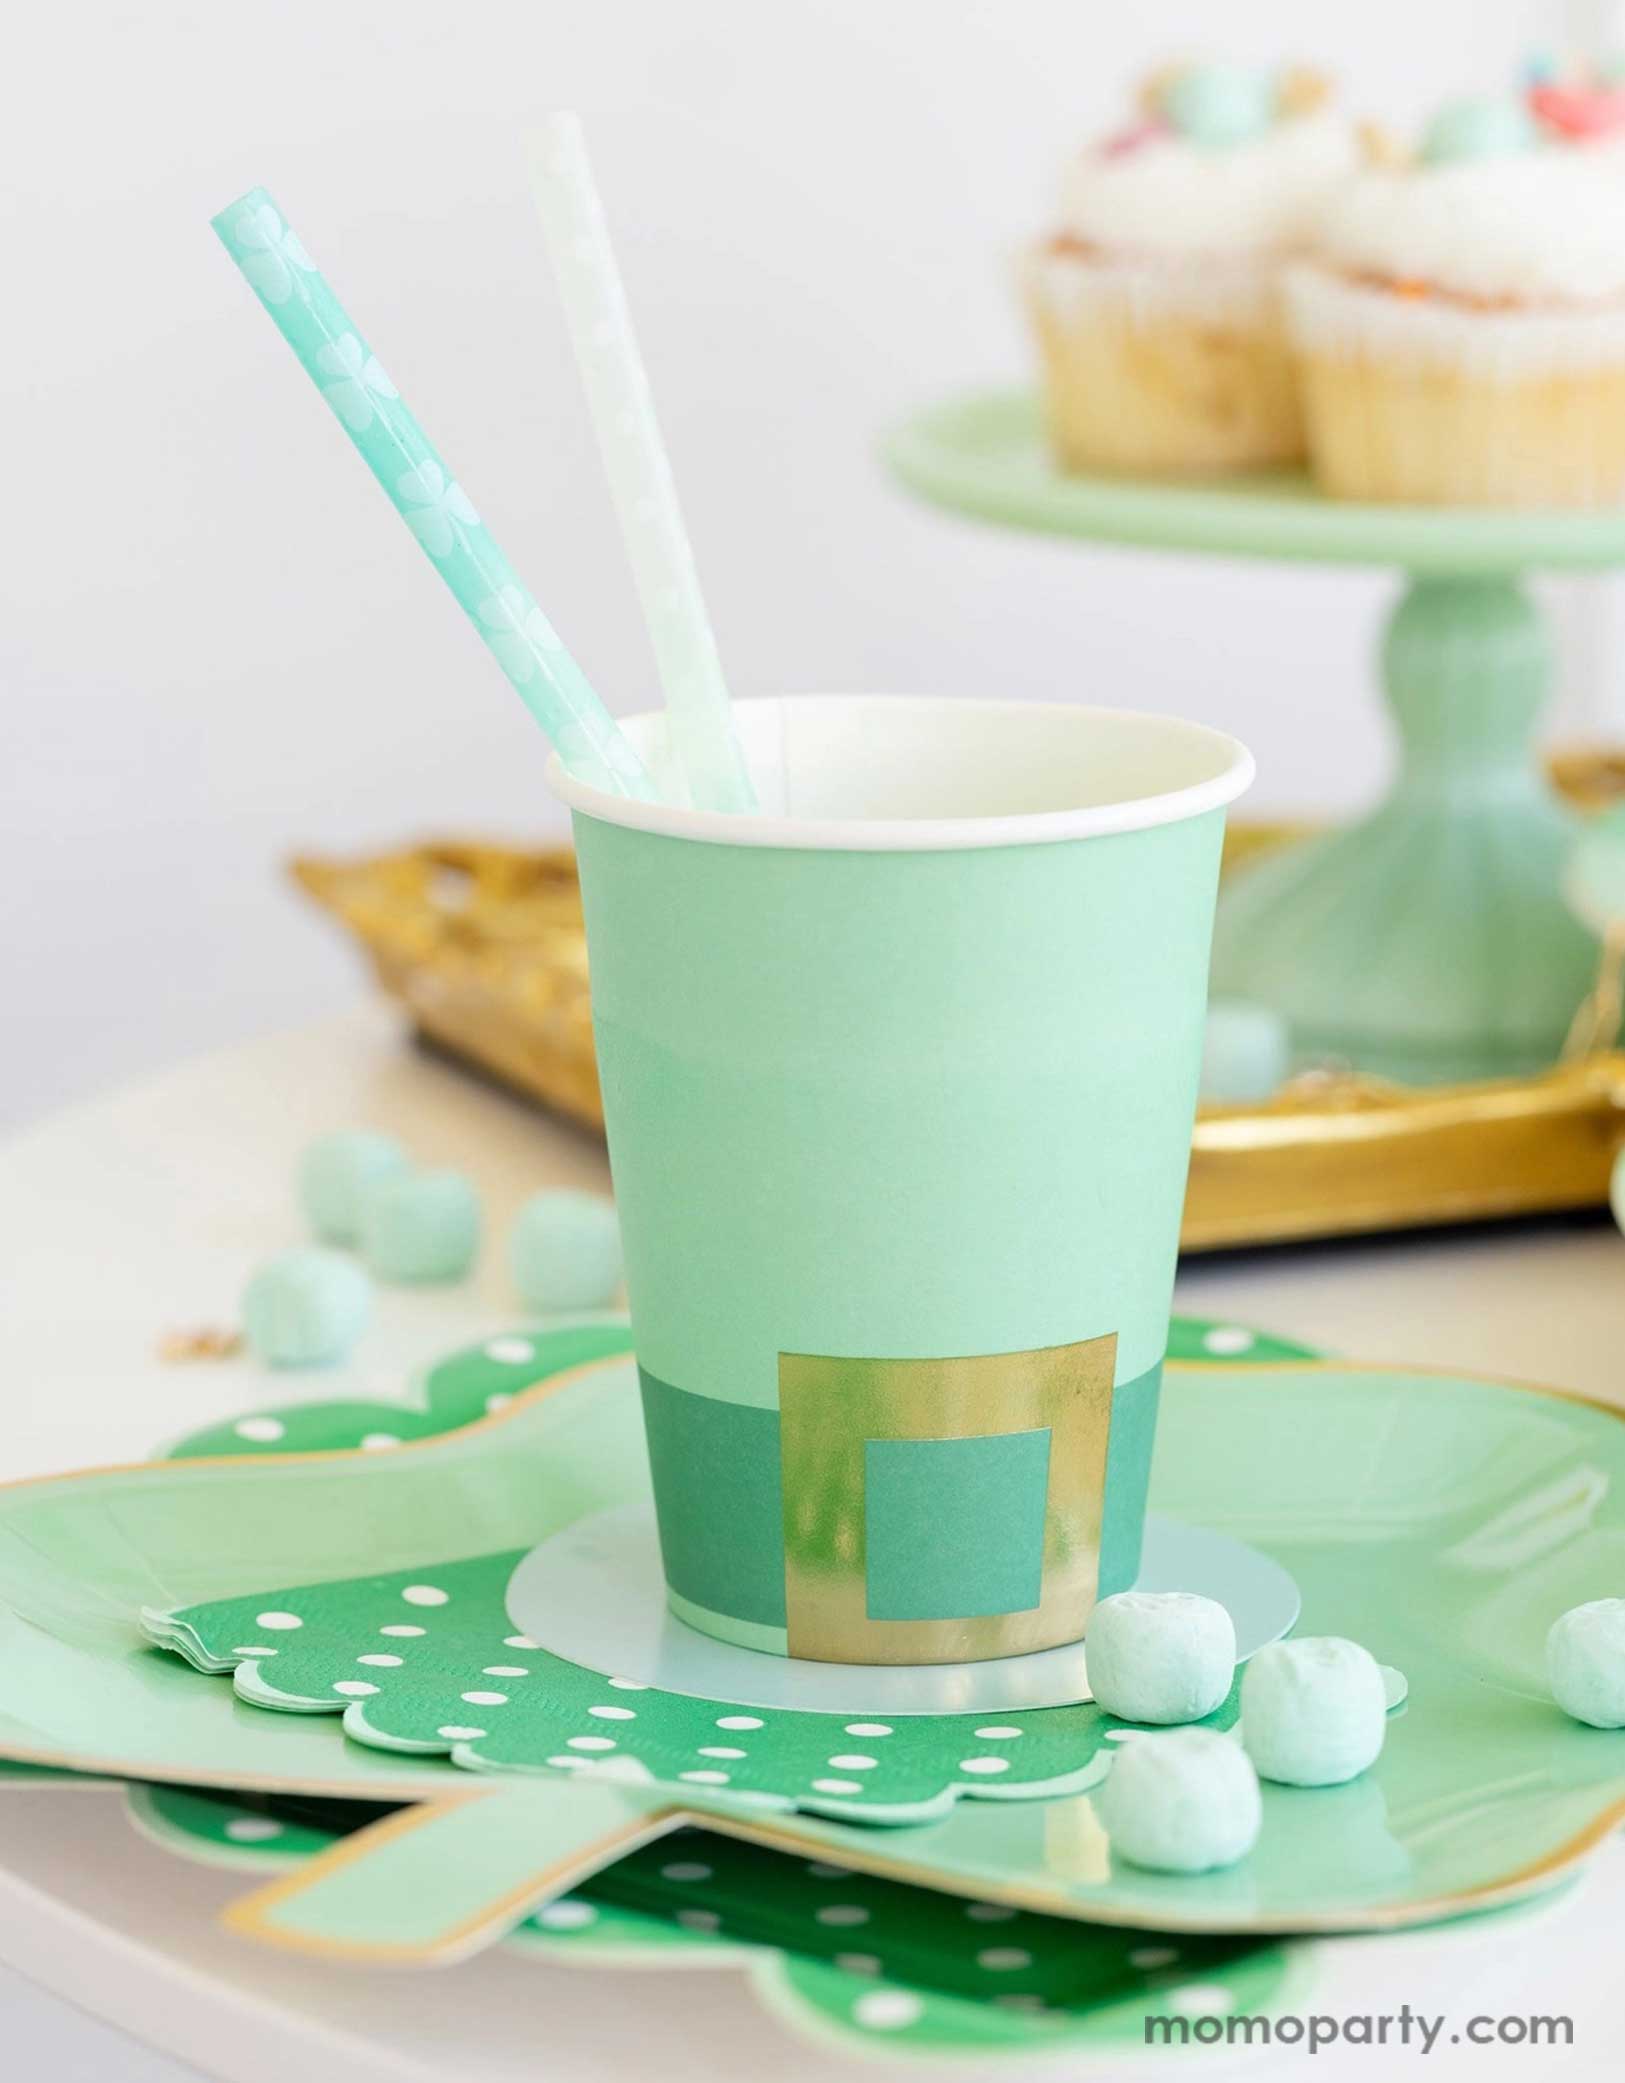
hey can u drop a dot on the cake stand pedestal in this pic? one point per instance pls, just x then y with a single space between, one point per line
1427 942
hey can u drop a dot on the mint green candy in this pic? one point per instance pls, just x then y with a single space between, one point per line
1160 1656
305 1309
1585 1662
335 1174
420 1229
1244 1051
1492 128
1314 1710
566 1251
1594 874
1181 1801
1220 104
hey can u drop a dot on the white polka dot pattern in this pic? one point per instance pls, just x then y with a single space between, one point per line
1000 1960
254 1829
888 2010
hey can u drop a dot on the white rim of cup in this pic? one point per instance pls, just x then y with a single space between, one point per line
1235 770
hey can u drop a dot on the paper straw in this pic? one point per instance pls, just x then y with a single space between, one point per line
427 497
640 476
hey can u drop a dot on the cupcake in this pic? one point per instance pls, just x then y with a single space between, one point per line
1461 333
1156 301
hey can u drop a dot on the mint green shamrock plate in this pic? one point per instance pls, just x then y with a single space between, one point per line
870 1964
1443 1521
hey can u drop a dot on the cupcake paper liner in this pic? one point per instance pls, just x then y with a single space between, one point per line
1164 366
1420 401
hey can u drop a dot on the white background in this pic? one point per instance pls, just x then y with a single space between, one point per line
218 644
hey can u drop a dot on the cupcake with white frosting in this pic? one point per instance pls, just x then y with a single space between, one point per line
1461 334
1156 300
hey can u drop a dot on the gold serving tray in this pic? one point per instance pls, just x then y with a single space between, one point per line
484 947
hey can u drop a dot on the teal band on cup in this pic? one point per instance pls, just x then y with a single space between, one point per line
717 1497
719 1503
1128 1479
743 1634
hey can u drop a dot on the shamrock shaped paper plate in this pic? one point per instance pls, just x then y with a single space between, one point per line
870 1963
1441 1520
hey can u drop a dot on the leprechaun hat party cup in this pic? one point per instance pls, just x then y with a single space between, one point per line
899 1077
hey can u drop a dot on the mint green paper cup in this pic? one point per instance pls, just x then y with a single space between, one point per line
899 1078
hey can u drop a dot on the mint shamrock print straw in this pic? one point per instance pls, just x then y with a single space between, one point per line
427 497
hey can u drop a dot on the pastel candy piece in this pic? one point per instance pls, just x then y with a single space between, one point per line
1579 111
335 1174
1182 1801
1160 1656
305 1309
566 1251
1313 1711
1493 128
1123 144
1594 873
1302 89
423 1227
1585 1662
1244 1051
1219 104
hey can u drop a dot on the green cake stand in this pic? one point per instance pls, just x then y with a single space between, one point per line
1427 942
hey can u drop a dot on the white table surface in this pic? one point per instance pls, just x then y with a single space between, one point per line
143 1212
